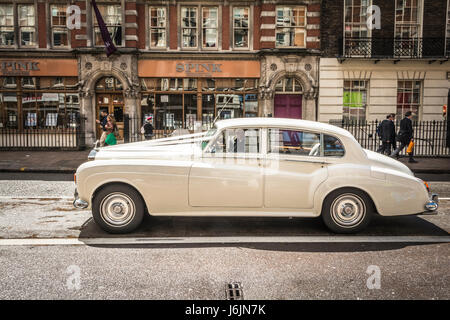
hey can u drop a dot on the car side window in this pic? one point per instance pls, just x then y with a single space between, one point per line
333 147
294 142
237 141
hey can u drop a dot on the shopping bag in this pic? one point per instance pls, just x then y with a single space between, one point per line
410 147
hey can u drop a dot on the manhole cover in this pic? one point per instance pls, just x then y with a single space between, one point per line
234 291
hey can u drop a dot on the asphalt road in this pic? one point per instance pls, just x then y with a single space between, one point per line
166 259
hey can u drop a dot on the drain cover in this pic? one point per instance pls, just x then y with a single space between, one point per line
234 291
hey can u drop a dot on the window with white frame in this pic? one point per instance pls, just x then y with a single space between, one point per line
60 33
291 26
6 24
356 33
209 27
189 36
407 19
158 21
27 24
112 15
241 25
408 98
355 100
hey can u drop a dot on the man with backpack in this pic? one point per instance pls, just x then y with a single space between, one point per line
386 132
405 136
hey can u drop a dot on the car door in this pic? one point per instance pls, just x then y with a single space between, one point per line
294 168
230 172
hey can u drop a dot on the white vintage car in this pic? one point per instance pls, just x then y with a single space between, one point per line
265 167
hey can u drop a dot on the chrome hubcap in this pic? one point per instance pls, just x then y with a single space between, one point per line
117 209
348 210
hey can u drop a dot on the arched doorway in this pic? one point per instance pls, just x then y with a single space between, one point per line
109 98
288 98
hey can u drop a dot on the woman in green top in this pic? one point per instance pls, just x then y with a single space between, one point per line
111 130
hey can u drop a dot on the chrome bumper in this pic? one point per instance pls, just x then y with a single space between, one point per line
78 203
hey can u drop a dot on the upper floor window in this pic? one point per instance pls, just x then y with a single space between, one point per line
407 19
448 29
189 21
356 19
209 27
27 24
291 27
241 27
112 15
288 85
6 24
59 25
355 100
158 20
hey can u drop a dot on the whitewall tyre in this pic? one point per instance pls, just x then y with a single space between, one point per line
347 210
118 208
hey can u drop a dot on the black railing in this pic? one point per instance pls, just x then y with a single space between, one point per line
67 135
385 48
430 137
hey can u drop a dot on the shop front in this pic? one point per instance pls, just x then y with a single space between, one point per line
39 103
180 94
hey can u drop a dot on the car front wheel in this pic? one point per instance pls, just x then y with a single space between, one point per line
347 210
118 209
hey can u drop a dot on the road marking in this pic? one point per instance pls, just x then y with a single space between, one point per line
49 198
223 240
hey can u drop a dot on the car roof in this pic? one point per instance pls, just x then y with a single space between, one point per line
282 122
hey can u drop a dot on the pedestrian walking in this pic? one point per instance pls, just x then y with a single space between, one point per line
386 132
405 136
111 131
147 129
103 120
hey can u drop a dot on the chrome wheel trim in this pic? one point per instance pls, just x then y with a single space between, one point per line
348 210
117 209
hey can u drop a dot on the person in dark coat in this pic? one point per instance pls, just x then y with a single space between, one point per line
386 133
148 128
405 136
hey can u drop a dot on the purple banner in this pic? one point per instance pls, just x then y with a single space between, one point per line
109 45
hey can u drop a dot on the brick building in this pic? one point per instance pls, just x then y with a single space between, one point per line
366 74
181 61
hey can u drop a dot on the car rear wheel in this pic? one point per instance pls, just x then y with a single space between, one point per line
118 209
347 210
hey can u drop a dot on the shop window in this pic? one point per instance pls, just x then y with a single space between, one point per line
189 27
112 15
190 110
6 24
189 84
9 115
158 20
9 82
149 84
60 33
229 106
27 25
209 27
241 27
291 27
29 82
208 84
355 100
408 98
251 105
169 111
208 111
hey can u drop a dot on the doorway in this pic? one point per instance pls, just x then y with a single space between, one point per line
288 99
288 106
109 98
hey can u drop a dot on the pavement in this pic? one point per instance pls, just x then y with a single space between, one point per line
69 161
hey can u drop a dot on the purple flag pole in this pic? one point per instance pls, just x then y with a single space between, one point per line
109 45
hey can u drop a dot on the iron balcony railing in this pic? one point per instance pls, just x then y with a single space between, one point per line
400 48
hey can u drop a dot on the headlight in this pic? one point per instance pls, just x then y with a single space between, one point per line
92 154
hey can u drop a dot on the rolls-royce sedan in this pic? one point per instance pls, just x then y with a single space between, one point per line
265 167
